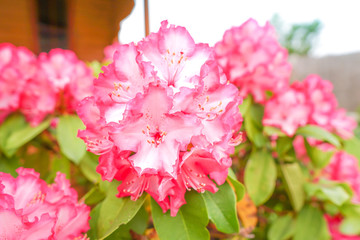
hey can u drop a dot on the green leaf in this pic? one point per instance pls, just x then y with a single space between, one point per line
21 136
352 146
328 190
138 224
9 165
88 167
318 133
294 184
260 176
270 131
115 211
253 125
245 105
11 124
238 187
93 222
93 196
318 158
221 208
189 223
282 228
283 145
350 226
310 224
70 145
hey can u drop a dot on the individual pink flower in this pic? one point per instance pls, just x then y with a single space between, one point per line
253 60
287 110
344 167
333 223
32 209
110 50
17 65
342 124
61 82
163 118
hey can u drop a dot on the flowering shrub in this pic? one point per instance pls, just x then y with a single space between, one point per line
184 140
31 209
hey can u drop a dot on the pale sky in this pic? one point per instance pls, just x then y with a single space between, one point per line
207 20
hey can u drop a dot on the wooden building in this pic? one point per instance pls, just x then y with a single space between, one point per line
84 26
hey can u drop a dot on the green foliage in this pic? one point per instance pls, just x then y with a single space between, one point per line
189 223
282 228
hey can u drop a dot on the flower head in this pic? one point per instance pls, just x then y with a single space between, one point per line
333 223
60 83
17 65
32 209
253 59
162 115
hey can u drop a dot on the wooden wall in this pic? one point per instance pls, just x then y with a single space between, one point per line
18 23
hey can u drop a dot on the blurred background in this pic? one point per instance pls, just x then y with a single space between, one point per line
322 37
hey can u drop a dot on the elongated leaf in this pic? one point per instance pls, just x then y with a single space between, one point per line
294 184
9 165
189 223
88 166
238 186
221 209
260 176
73 147
12 124
310 224
282 228
245 105
352 146
273 131
22 136
318 158
116 211
318 133
253 125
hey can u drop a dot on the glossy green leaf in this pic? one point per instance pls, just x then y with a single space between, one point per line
253 125
138 224
352 146
282 228
283 145
189 223
260 176
9 165
88 166
350 226
294 184
318 133
93 196
238 186
71 146
11 124
23 135
221 208
310 224
318 158
273 131
328 191
245 105
93 232
116 211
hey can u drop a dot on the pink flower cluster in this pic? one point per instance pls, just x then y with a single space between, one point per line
308 102
253 60
163 118
32 209
55 81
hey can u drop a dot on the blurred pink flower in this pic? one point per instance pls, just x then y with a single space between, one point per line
163 118
17 65
110 50
60 83
334 224
287 110
253 60
344 167
32 209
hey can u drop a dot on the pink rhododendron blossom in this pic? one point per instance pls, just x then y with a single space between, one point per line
32 209
60 83
163 118
253 60
334 224
344 167
17 65
110 50
308 102
287 110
